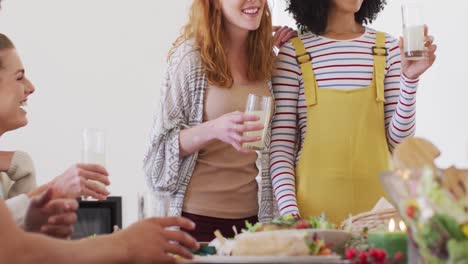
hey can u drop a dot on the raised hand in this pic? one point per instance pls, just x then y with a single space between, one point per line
282 35
81 179
229 128
415 68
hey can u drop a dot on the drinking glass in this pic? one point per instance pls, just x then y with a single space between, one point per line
153 204
93 148
413 30
260 106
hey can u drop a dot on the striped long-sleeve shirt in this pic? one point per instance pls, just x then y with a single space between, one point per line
338 64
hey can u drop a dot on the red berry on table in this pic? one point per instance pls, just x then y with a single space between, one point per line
363 256
381 254
351 253
302 224
374 253
410 211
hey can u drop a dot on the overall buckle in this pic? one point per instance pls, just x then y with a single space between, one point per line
379 51
303 58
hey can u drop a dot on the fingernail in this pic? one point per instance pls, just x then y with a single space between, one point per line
52 221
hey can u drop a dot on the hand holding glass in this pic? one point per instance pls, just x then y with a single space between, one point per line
260 106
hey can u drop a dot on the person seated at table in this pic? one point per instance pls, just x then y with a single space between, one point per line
148 241
78 180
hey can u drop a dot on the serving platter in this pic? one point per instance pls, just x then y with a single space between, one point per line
264 259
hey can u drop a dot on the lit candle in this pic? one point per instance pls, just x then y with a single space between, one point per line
392 241
402 226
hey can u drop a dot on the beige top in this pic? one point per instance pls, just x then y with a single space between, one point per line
20 177
16 183
223 183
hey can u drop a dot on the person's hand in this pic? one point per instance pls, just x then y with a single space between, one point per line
149 241
53 217
415 68
82 179
282 35
229 128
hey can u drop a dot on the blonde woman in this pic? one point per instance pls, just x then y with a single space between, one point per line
145 242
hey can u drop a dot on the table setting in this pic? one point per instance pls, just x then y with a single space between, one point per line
424 220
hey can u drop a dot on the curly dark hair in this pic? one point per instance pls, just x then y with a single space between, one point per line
312 15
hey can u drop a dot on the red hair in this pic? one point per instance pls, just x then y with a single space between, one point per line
205 26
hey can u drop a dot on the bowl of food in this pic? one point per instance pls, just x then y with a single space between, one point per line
313 226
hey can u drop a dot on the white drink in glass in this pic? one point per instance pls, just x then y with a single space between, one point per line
414 42
264 120
413 30
92 157
94 148
261 107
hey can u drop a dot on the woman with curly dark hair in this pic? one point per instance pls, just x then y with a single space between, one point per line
344 98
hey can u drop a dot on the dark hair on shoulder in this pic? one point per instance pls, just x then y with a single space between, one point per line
312 15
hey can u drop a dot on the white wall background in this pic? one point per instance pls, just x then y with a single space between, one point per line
99 63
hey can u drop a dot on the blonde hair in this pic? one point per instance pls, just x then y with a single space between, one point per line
5 43
205 26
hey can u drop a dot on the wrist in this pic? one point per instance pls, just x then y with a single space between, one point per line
208 131
40 189
408 84
410 77
123 247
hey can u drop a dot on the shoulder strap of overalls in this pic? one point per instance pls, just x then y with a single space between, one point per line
304 60
380 53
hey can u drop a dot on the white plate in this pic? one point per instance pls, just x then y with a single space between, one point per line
265 259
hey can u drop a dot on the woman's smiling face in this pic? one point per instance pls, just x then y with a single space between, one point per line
14 91
243 14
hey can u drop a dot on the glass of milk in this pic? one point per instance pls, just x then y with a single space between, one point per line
260 106
94 147
413 30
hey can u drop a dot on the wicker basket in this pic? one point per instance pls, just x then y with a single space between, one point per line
373 221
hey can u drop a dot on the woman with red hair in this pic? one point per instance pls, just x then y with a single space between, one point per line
224 53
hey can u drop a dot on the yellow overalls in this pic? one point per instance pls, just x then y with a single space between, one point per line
345 146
